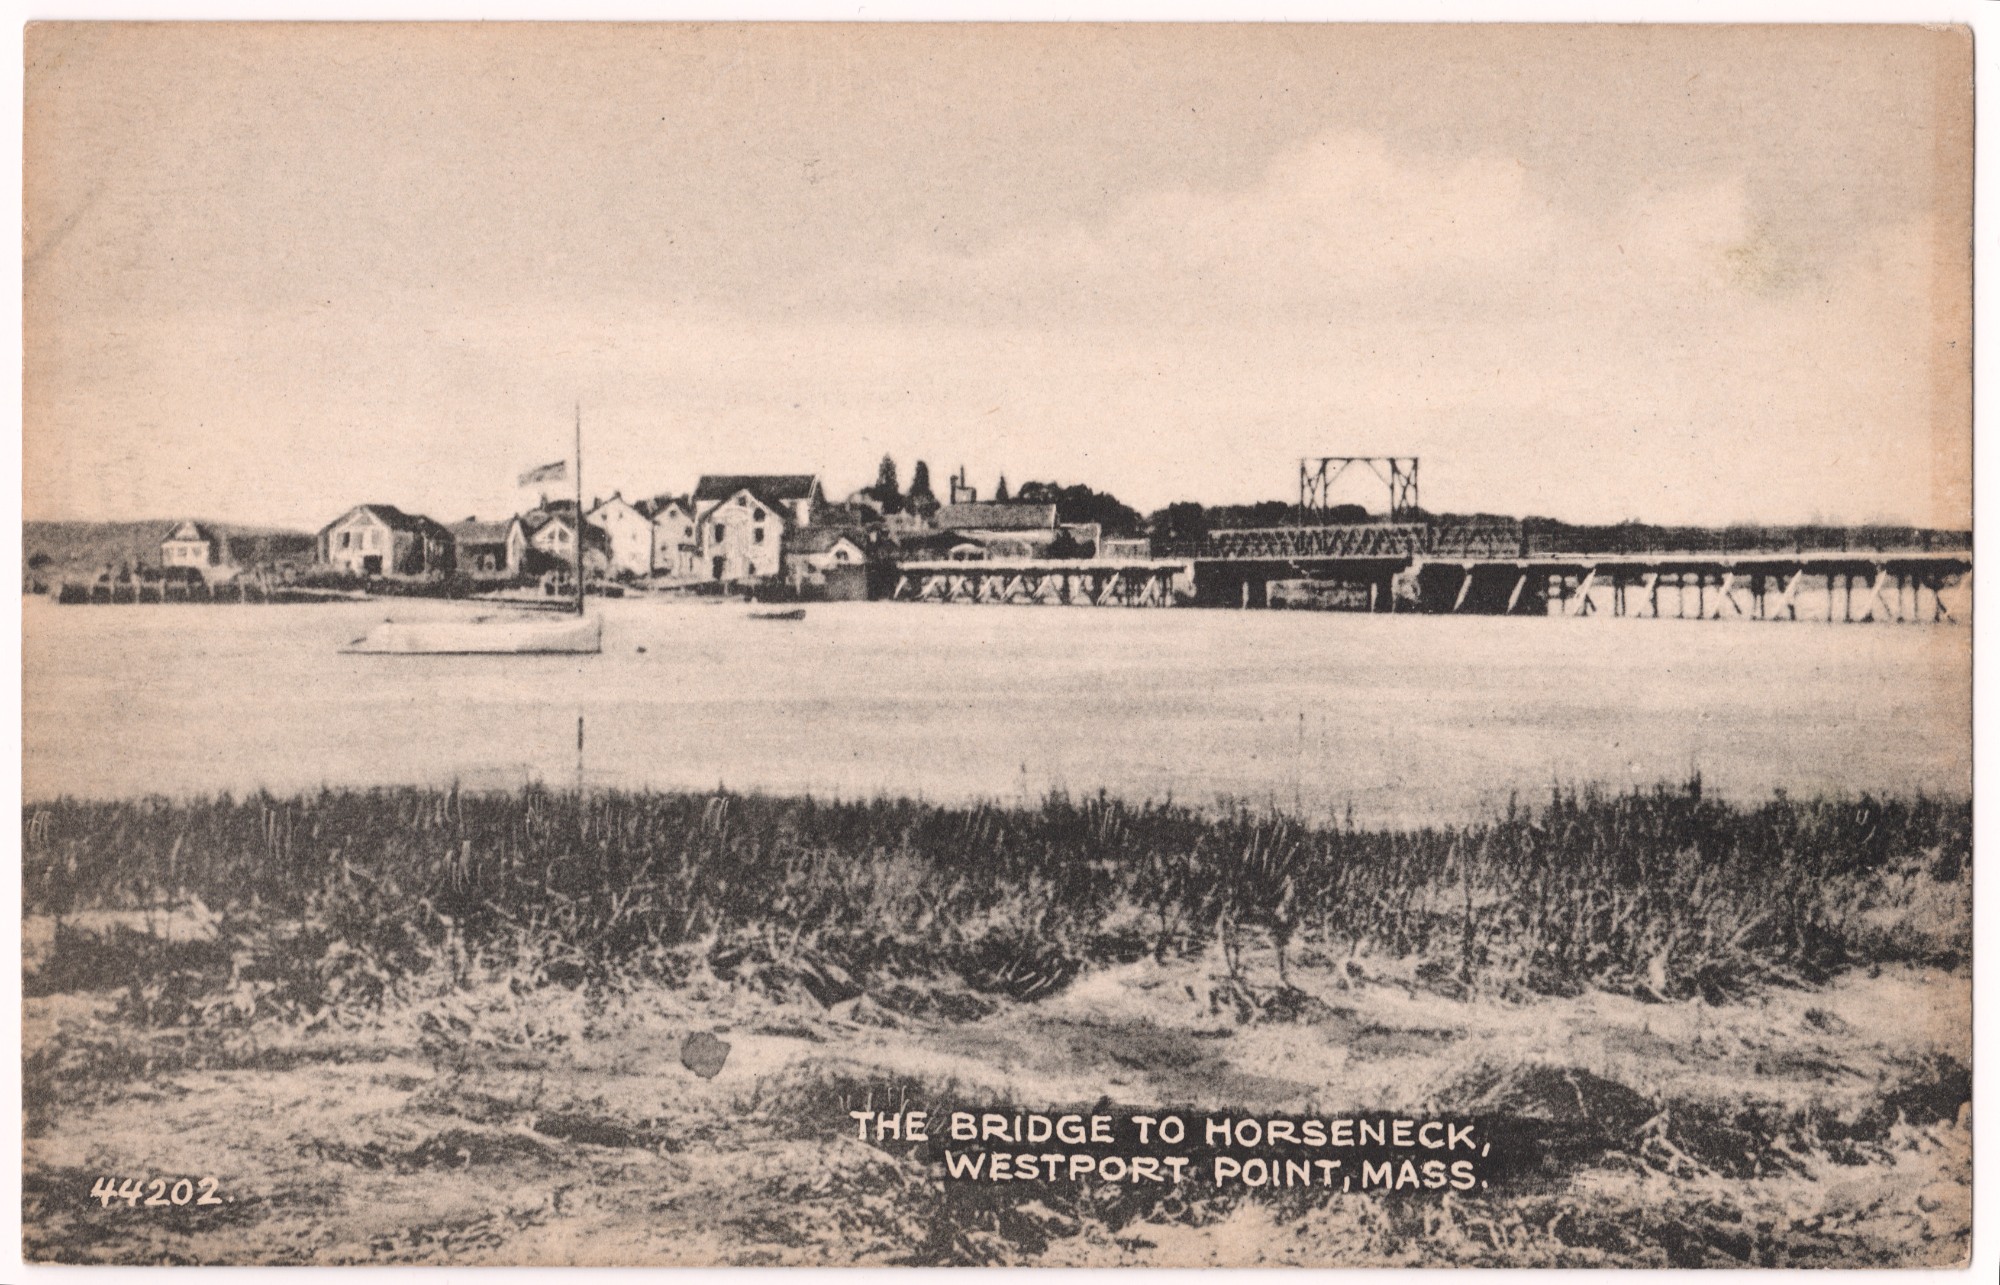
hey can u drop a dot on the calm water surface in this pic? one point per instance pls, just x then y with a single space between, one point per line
1400 718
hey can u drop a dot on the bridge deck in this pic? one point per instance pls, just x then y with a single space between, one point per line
1513 543
1044 565
1691 560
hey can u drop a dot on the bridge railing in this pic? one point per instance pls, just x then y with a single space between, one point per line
1474 540
1369 540
1740 540
1501 539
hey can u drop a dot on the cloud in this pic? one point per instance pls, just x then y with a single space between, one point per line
1338 224
1677 354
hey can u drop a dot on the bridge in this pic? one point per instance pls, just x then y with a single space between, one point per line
1847 574
1413 561
1446 570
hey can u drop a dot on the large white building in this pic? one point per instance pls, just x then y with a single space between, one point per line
743 520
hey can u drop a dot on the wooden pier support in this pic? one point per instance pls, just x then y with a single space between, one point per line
1763 586
1076 584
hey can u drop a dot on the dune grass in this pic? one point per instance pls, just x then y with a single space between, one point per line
332 896
464 997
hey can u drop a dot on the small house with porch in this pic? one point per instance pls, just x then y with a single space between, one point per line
489 550
193 545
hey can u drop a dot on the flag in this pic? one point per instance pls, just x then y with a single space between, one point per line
555 472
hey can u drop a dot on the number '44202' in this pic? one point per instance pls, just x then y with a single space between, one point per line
142 1193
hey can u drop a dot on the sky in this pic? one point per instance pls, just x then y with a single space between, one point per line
1688 274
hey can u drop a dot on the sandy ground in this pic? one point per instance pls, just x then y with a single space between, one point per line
491 1124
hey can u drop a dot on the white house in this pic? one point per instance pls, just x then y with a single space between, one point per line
676 551
628 533
743 521
743 538
551 541
813 552
190 544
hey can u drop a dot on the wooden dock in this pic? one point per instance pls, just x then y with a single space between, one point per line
242 590
1845 586
1915 587
1049 582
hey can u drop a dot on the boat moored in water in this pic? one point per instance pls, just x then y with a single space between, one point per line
511 635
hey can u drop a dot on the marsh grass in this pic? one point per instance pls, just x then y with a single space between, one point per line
329 899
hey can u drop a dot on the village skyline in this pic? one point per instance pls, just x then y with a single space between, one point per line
1357 491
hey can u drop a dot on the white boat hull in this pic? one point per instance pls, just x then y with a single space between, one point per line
485 636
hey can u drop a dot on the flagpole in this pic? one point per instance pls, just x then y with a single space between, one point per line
579 509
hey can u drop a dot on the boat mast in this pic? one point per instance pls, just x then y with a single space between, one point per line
579 508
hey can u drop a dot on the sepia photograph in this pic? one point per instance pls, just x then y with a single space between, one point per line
1151 645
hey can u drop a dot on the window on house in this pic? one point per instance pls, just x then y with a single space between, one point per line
345 536
757 536
719 528
758 514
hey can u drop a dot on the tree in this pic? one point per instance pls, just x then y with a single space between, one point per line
887 492
1066 545
1182 521
1000 491
1264 513
1081 504
920 501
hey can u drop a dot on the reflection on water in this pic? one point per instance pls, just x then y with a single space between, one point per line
1396 717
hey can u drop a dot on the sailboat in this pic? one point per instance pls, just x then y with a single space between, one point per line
517 633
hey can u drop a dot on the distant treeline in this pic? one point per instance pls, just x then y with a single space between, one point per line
80 548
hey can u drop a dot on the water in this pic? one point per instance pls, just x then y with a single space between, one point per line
1398 718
